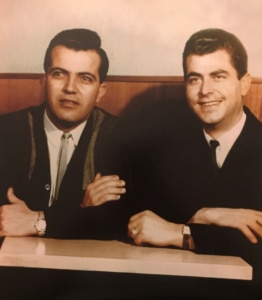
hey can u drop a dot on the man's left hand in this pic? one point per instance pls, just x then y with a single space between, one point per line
103 189
248 221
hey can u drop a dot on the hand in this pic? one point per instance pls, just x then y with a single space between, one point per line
16 219
103 189
147 227
248 221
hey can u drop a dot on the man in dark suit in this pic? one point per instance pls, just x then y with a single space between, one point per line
199 199
35 200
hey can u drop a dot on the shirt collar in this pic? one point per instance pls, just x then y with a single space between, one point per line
227 140
54 134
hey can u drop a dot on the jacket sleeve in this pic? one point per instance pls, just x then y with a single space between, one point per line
107 221
211 239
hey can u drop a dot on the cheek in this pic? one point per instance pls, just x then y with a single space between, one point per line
89 95
52 89
191 95
88 102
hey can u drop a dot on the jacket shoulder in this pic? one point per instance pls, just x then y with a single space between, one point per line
253 125
108 120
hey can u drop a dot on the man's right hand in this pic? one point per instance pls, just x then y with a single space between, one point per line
103 189
248 221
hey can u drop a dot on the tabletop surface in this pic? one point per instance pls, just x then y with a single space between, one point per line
116 256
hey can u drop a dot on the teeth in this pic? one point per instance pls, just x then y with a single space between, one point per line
210 103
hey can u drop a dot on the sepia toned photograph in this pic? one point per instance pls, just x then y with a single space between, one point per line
130 150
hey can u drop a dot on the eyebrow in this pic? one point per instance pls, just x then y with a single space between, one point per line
57 68
219 71
192 74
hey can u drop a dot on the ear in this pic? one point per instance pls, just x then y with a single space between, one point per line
101 92
43 87
245 82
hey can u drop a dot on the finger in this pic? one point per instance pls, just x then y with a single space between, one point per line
139 239
249 234
109 187
103 181
130 227
133 234
104 199
99 185
134 229
12 197
107 177
259 221
98 175
134 218
137 217
106 192
112 191
257 229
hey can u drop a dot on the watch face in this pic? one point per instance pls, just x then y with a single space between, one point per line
41 225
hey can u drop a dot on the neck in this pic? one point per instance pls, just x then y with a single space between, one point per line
217 130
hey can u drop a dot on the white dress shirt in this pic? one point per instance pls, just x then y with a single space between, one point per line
227 140
54 135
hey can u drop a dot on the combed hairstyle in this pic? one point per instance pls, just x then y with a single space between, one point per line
213 39
79 39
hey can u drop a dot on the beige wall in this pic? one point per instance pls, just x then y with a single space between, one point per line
142 37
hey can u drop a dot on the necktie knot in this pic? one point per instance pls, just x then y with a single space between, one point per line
214 144
66 136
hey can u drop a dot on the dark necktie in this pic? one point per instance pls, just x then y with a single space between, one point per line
213 146
62 161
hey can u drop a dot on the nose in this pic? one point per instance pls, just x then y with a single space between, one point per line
70 85
206 87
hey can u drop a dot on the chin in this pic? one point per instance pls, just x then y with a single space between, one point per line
210 119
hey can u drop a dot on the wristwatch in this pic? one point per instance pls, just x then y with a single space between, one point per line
186 237
40 224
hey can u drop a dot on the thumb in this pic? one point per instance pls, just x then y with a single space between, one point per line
12 197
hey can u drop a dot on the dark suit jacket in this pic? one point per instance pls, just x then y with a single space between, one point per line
65 219
173 174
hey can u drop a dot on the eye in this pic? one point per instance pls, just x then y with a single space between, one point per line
86 78
193 80
57 73
220 76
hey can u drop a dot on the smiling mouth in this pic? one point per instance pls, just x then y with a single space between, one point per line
210 103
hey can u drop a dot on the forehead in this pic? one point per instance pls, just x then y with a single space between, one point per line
218 60
74 60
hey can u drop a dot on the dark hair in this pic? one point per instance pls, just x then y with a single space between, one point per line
79 39
209 40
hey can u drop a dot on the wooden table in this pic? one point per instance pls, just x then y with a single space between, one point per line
115 256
